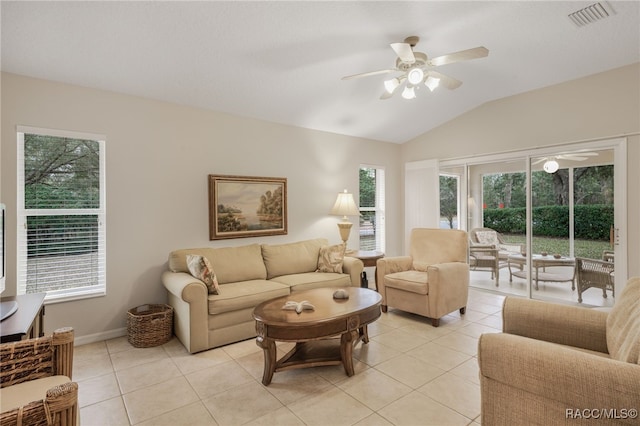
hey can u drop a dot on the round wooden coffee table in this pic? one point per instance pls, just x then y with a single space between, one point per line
315 332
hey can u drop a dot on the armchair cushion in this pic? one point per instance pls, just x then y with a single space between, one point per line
413 281
623 324
23 393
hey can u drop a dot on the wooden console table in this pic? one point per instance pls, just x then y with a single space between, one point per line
27 321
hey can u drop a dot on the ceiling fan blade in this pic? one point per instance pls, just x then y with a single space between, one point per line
463 55
448 82
367 74
539 161
572 157
404 52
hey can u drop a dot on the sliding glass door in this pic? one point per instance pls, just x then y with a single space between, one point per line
543 226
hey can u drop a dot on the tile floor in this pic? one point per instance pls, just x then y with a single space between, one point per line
410 373
558 292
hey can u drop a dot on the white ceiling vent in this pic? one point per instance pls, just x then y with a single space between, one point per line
591 14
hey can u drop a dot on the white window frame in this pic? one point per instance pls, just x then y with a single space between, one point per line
22 215
379 208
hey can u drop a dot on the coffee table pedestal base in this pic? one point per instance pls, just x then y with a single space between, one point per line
313 353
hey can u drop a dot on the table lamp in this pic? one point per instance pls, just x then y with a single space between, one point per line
345 206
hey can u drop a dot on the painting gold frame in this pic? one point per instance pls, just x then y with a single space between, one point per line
247 206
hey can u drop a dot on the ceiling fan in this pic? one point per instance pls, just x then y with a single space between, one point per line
551 163
416 69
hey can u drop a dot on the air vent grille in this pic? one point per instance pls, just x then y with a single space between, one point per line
590 14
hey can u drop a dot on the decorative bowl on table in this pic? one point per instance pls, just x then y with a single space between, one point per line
544 253
557 256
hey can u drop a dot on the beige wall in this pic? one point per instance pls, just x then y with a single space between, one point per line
159 156
600 106
158 159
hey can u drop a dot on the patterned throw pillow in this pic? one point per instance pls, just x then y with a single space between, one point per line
488 238
200 267
330 258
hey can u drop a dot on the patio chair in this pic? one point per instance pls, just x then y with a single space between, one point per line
593 273
488 250
36 386
608 255
485 257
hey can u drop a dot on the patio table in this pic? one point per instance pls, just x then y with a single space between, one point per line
545 268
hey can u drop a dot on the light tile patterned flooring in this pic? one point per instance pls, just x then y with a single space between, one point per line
410 373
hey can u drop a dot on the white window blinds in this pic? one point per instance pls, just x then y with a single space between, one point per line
61 214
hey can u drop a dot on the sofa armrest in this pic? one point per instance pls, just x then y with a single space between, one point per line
566 325
354 267
529 372
188 297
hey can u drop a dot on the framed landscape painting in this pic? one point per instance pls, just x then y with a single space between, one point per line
246 206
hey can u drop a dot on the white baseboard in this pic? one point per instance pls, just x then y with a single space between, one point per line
99 337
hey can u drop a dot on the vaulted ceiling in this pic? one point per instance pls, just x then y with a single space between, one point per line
283 61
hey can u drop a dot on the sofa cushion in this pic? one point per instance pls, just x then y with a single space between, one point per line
309 280
330 258
245 294
232 264
623 324
292 258
200 267
412 281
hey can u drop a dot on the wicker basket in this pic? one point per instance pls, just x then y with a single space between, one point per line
149 325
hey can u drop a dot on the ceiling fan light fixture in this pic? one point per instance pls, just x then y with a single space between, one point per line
391 85
415 76
551 166
432 83
409 92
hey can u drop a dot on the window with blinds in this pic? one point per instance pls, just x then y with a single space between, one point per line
372 208
61 214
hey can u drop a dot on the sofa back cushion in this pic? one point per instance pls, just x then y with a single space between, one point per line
623 324
230 264
292 258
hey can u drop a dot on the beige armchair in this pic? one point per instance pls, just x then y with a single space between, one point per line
433 280
36 381
559 364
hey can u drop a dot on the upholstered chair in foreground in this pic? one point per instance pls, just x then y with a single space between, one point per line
36 381
558 364
433 280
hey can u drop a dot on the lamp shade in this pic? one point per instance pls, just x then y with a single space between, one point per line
408 93
345 205
432 83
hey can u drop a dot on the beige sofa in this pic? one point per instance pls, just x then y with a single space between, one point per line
558 364
247 275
